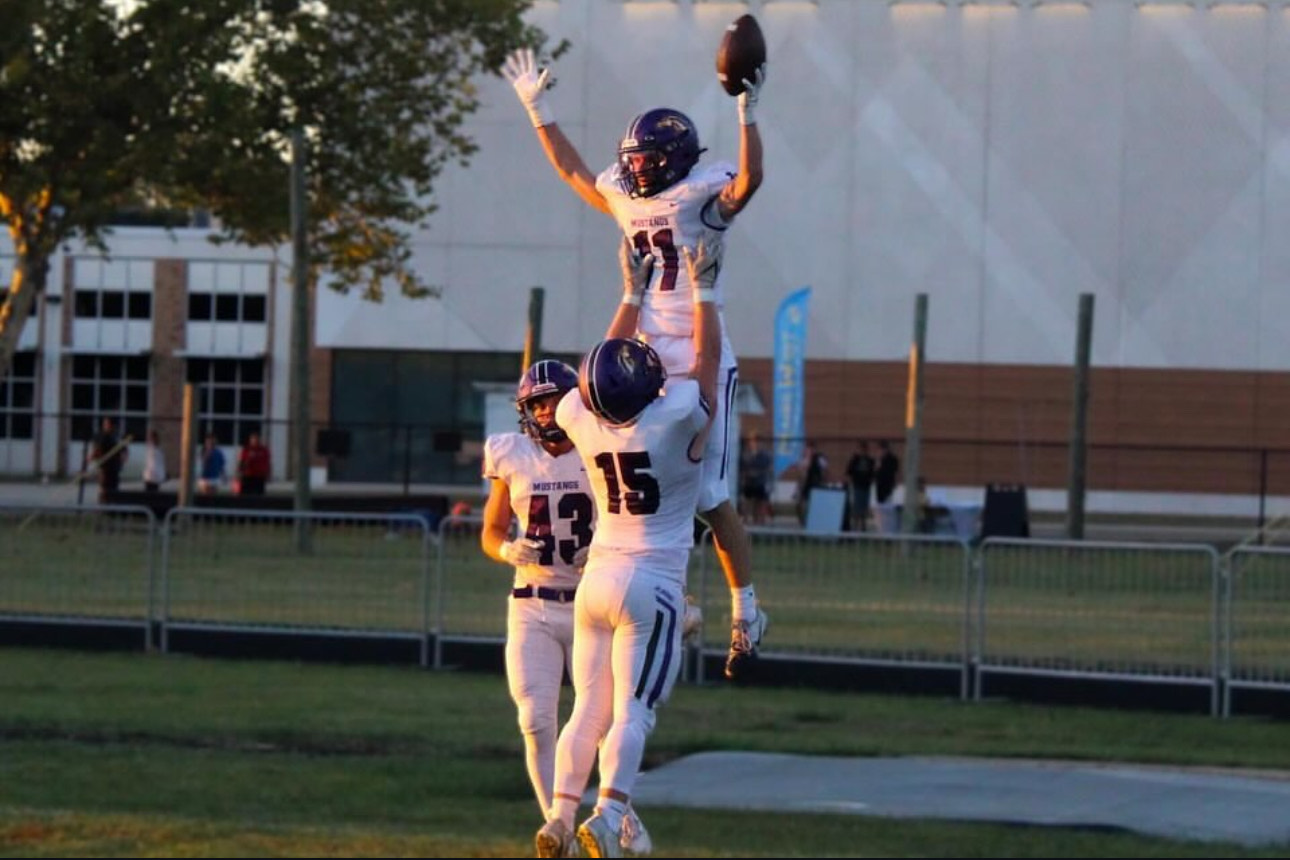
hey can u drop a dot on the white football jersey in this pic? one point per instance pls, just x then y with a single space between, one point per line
552 500
661 225
645 484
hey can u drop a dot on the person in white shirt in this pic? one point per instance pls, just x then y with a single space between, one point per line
642 445
537 479
154 463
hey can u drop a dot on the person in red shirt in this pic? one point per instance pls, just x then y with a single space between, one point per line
253 467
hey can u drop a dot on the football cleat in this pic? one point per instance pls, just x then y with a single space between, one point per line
635 840
555 840
599 839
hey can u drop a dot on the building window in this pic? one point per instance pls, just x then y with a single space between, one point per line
18 398
228 292
113 305
226 307
110 386
119 290
230 392
408 413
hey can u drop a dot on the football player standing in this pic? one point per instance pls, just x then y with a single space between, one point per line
536 477
663 200
642 444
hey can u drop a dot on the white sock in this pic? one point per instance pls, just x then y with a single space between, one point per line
564 809
743 603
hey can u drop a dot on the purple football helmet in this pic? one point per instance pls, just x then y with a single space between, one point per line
543 378
619 378
669 143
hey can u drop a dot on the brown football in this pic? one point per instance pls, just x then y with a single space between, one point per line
741 52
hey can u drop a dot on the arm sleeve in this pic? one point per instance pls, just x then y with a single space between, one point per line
567 412
697 410
493 454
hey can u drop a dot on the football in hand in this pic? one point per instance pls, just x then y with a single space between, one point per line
741 53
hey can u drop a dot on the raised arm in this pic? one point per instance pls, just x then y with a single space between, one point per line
735 196
703 264
637 269
530 85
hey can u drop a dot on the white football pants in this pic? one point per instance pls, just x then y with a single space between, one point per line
539 645
626 658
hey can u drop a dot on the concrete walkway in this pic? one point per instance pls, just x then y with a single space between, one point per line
1177 803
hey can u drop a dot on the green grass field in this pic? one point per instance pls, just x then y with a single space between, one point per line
144 755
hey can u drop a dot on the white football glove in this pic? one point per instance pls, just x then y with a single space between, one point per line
580 558
748 98
692 622
637 268
530 84
521 551
703 264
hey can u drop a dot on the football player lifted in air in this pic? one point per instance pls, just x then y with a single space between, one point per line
662 199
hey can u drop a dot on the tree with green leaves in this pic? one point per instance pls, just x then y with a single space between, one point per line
106 104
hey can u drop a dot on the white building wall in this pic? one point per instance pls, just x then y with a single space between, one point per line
1003 159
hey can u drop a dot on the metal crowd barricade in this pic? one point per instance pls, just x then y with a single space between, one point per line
1099 609
1116 611
850 598
73 564
1257 621
296 572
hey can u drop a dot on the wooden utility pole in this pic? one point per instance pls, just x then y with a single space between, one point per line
300 332
1078 483
188 446
914 417
533 340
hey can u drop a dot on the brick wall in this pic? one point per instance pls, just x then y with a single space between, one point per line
1150 430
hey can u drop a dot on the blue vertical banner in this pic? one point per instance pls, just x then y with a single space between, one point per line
790 383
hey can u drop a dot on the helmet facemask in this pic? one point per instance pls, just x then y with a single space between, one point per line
669 144
546 378
648 170
535 429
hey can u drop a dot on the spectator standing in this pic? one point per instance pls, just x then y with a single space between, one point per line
754 481
213 467
860 472
888 468
815 467
109 455
154 463
254 466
